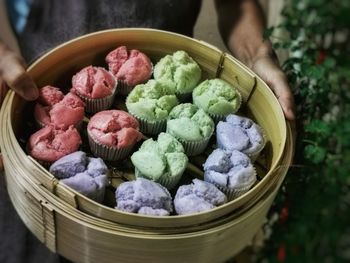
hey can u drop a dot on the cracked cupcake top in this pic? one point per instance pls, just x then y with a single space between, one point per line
49 144
151 101
93 82
197 197
84 174
240 133
133 66
216 96
162 158
143 196
114 128
179 70
187 122
60 111
229 169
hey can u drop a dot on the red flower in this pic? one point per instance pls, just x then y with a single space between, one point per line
321 57
281 255
284 214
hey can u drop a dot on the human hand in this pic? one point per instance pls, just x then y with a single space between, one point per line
267 67
14 75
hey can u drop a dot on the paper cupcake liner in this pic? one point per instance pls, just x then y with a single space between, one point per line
217 117
232 193
194 147
168 182
123 88
150 127
96 105
108 153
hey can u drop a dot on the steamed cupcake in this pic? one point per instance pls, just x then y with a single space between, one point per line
191 126
217 98
179 70
86 175
49 144
130 68
112 134
162 161
59 111
96 87
231 172
150 104
197 197
143 197
50 95
242 134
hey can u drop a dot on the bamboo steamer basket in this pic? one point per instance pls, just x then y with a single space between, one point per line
83 230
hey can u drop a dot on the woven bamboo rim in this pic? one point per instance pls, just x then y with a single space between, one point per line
214 64
83 231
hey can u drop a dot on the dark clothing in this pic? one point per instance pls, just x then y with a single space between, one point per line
52 22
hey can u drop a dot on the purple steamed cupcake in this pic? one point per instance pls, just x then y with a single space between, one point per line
197 197
86 175
143 196
232 172
241 134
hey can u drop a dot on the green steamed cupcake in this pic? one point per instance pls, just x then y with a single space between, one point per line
162 161
180 71
217 97
150 104
191 126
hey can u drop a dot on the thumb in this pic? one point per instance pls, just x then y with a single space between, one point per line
12 71
275 78
3 91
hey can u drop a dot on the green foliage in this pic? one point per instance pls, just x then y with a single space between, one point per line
316 192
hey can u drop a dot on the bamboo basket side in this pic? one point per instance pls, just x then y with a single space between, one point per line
213 62
82 238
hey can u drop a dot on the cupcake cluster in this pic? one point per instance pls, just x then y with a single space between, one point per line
229 167
143 196
172 109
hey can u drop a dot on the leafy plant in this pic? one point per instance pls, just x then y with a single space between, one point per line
314 205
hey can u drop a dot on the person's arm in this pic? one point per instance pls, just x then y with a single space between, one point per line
12 65
242 24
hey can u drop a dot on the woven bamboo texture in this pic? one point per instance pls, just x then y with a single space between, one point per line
85 231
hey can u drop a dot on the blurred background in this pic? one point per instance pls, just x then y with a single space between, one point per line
309 221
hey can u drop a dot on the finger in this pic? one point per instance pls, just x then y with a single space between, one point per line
13 73
279 86
1 164
267 68
3 91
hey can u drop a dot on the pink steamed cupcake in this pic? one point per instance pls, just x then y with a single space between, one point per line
96 87
49 144
58 110
129 68
112 134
